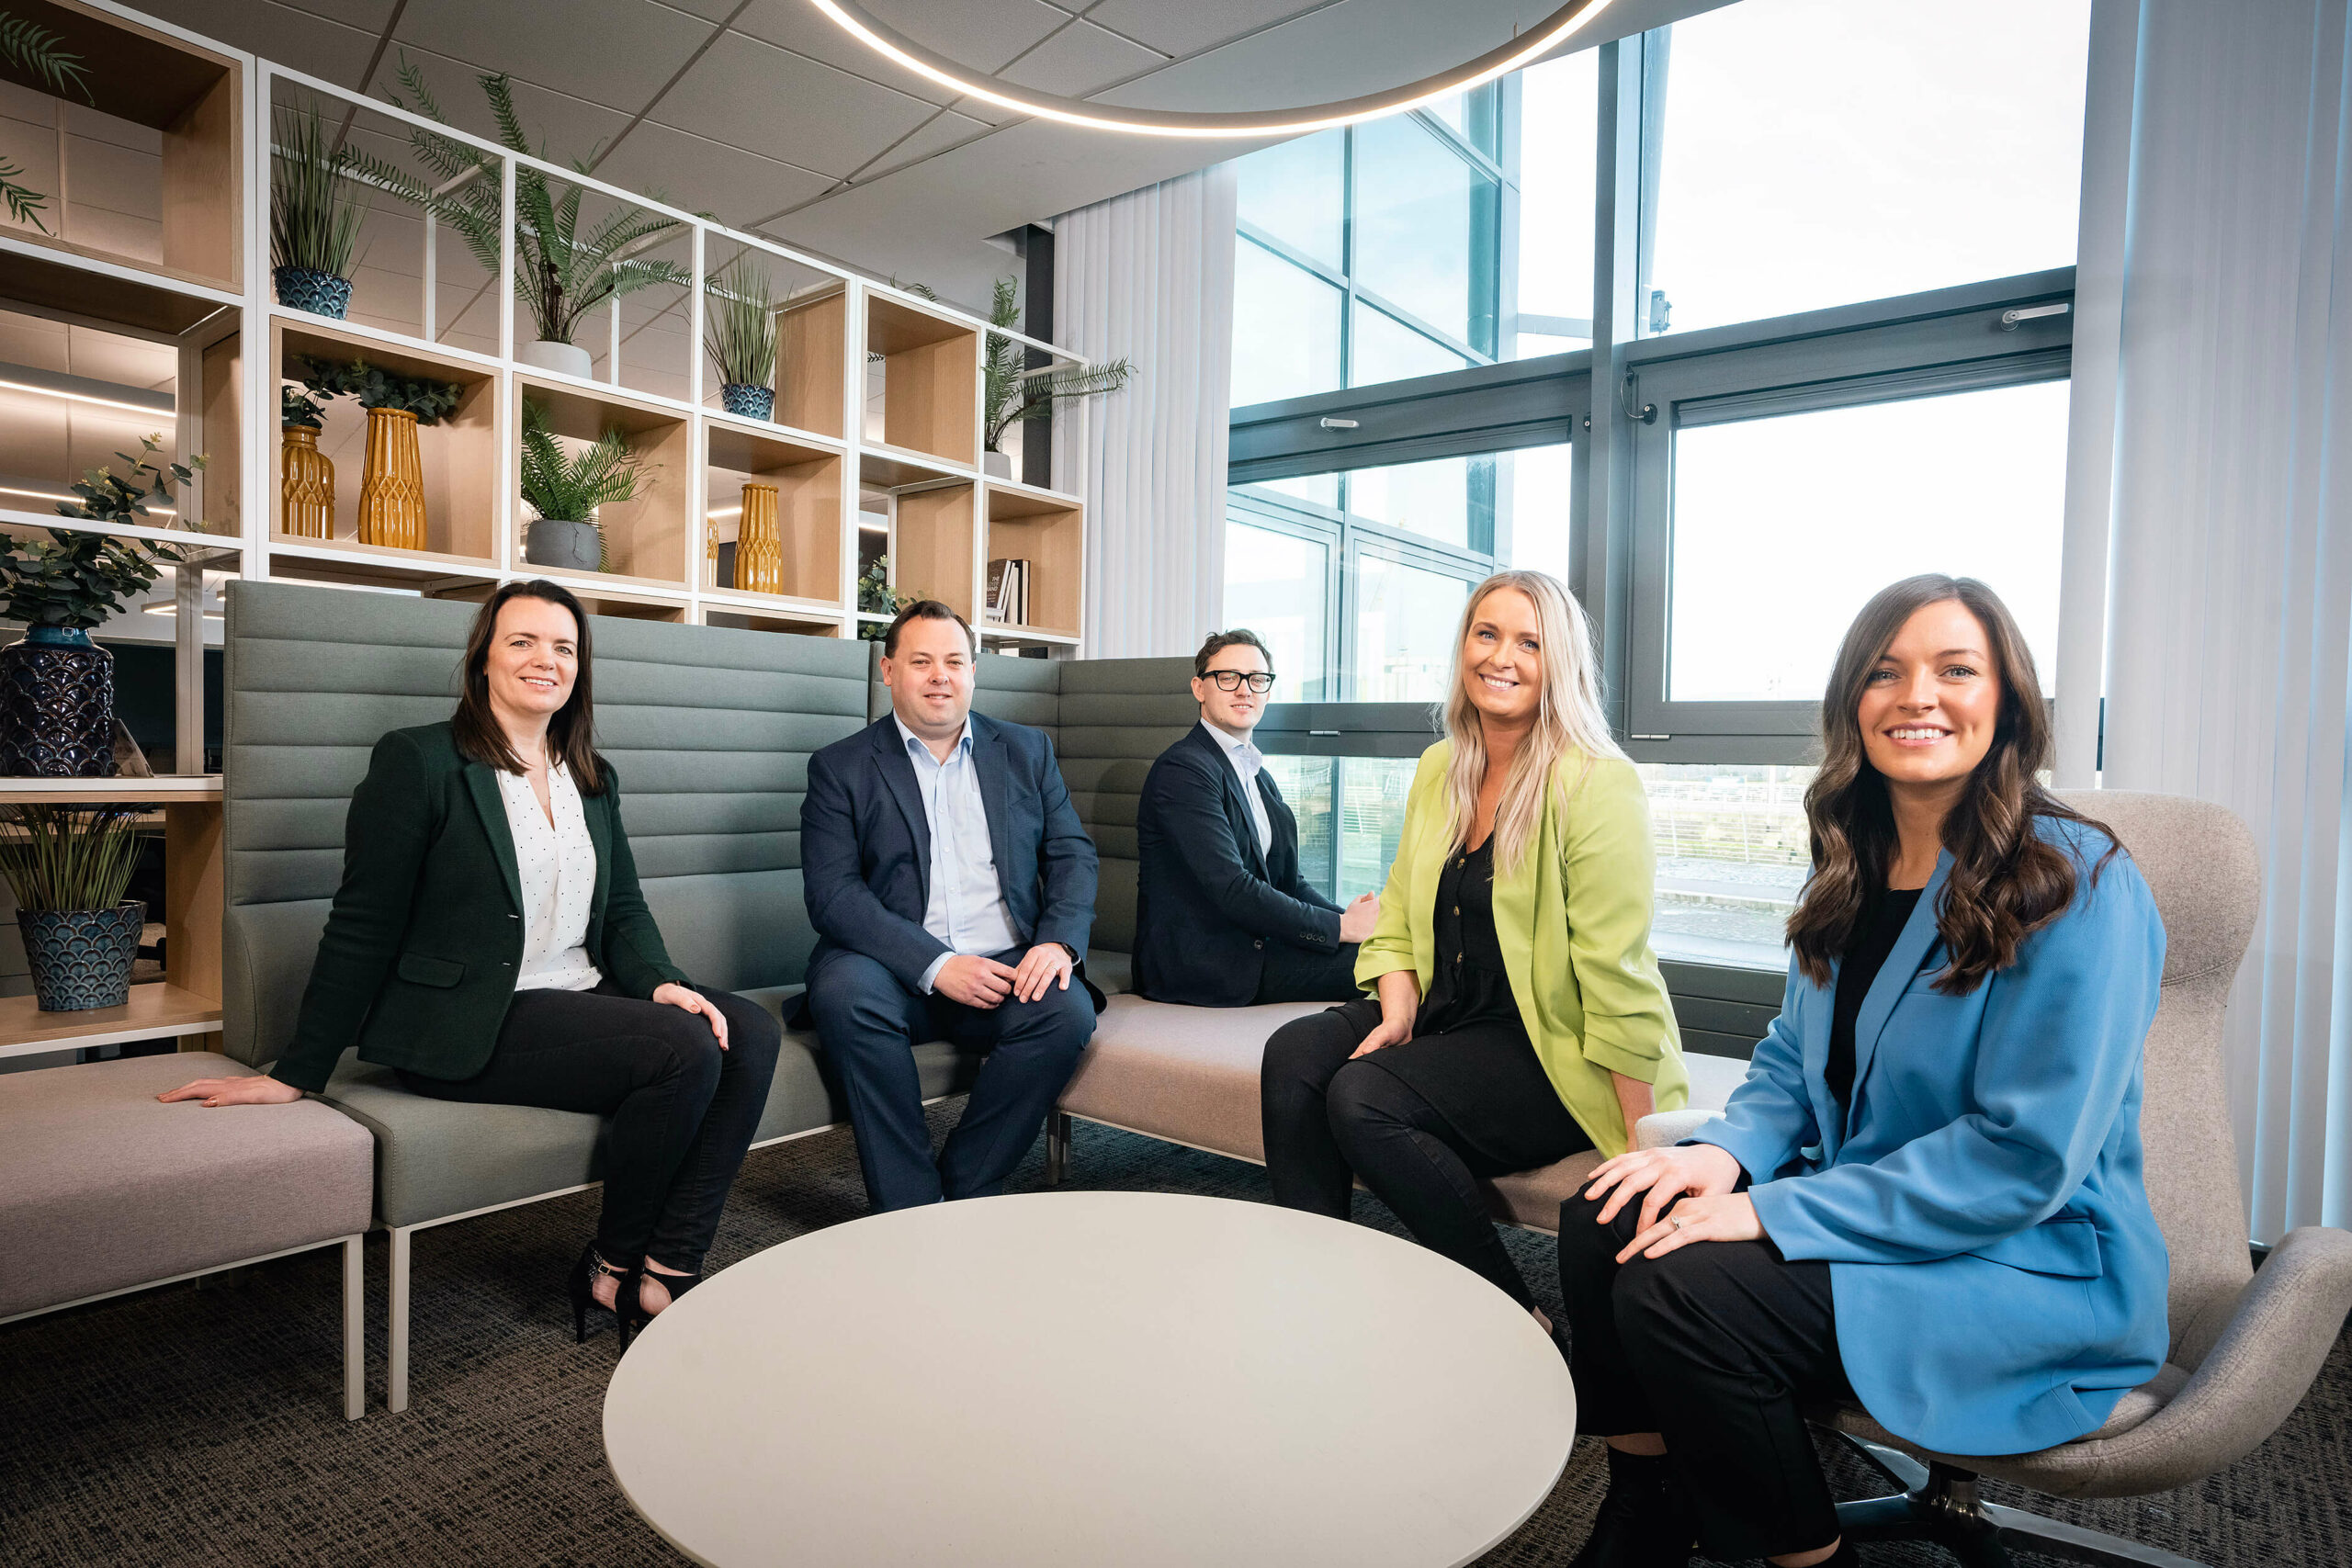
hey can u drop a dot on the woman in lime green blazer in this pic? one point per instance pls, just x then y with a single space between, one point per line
1515 1013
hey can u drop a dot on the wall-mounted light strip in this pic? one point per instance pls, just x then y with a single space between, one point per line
1528 46
85 389
57 495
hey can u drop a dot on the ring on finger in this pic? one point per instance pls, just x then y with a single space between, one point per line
1677 1222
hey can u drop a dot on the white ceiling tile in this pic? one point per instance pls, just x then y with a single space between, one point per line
773 102
375 16
948 130
702 175
1196 24
798 27
979 35
709 10
316 46
1078 60
562 128
614 52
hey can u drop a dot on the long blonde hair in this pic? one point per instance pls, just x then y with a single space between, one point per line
1569 717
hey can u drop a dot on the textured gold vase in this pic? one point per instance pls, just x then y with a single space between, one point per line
759 547
308 485
392 486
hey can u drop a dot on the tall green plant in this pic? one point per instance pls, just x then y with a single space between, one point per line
33 48
1011 393
315 206
568 488
69 858
740 322
559 273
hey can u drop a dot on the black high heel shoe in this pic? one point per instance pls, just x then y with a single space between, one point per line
582 1287
630 1304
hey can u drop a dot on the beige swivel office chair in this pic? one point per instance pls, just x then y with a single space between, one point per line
2246 1344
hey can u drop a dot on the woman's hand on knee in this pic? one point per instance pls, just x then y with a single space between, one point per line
1721 1216
1697 1170
257 1090
1386 1032
671 994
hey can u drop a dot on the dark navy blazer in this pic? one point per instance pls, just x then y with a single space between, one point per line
865 846
1207 901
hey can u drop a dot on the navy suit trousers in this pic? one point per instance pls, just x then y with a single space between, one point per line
870 1024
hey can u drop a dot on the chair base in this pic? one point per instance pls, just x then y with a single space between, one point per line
1057 1146
1940 1504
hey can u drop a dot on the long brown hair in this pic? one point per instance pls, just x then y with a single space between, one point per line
571 733
2006 881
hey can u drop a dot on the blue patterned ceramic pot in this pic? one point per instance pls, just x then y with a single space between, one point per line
56 706
82 958
747 402
308 289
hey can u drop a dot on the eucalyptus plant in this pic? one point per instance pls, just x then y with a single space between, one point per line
376 388
315 204
559 273
874 598
33 48
1011 393
740 319
69 858
79 578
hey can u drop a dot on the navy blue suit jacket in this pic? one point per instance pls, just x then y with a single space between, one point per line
1207 901
866 847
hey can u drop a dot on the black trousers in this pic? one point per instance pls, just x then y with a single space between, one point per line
1713 1345
1295 975
870 1025
683 1110
1329 1120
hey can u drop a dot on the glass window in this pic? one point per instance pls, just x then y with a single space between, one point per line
1732 857
1285 329
1387 349
1532 499
1434 498
1405 621
1416 205
1346 850
1559 115
1784 526
1821 151
1275 584
1297 192
1323 490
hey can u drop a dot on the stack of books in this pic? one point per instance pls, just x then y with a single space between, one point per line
1009 592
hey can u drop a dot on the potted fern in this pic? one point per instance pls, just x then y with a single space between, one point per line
69 867
33 50
561 273
1011 394
741 338
565 489
314 215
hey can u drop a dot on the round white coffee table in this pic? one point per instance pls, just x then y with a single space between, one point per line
1090 1379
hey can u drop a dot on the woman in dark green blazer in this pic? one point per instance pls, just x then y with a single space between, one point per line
491 943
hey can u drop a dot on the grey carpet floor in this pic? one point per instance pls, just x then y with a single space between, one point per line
201 1428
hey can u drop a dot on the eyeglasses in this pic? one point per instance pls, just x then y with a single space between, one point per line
1231 680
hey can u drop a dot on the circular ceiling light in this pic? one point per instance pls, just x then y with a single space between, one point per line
1531 45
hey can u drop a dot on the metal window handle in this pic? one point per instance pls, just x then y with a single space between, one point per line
2011 317
1327 422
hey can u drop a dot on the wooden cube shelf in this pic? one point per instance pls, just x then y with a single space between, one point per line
811 336
808 505
458 452
645 538
930 380
780 620
1047 531
933 556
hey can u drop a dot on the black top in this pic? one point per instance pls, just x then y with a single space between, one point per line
1875 934
1470 983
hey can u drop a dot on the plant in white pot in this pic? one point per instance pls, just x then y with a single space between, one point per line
69 867
559 273
1011 393
565 489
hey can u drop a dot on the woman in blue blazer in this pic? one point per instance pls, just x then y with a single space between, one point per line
1926 1194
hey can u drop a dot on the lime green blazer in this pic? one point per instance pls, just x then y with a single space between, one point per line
1574 922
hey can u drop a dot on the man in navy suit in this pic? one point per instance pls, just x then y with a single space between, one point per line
1222 917
953 891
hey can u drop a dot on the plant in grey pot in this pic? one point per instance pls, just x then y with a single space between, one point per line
740 319
315 209
1013 393
566 489
69 867
56 685
561 273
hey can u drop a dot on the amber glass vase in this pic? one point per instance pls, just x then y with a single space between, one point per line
759 547
392 486
309 487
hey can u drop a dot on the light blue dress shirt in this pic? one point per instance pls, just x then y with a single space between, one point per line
967 909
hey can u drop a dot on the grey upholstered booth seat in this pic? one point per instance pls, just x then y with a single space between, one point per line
2246 1344
711 730
104 1191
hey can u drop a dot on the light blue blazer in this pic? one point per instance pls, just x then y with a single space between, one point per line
1999 1277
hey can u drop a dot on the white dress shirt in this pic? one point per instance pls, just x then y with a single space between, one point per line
1247 760
557 864
967 905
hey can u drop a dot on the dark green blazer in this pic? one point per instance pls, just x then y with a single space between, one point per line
418 960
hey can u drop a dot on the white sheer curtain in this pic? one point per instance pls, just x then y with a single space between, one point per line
1150 275
2229 538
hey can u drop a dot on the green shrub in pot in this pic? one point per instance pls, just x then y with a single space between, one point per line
69 867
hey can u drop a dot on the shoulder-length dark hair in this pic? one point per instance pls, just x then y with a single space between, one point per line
570 733
2006 881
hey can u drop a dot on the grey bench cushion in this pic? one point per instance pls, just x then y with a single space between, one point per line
103 1188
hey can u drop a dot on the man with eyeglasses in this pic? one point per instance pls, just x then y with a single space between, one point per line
1222 917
